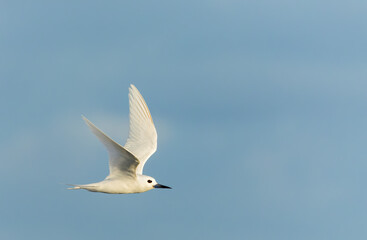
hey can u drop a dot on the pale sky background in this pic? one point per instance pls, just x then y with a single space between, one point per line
260 107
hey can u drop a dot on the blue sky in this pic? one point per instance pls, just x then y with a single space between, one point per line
260 108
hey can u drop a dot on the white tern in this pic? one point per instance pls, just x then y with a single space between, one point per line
126 163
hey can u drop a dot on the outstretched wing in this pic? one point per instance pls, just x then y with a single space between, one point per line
121 161
142 140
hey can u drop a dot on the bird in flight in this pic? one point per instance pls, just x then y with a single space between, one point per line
126 163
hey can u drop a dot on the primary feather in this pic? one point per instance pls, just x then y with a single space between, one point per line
142 140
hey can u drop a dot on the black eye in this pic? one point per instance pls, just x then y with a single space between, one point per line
149 181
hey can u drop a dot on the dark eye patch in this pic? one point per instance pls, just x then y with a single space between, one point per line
150 181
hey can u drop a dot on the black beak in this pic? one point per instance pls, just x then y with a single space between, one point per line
160 186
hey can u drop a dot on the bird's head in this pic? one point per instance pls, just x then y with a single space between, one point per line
150 182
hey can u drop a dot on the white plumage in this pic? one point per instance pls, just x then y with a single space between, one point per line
142 141
126 163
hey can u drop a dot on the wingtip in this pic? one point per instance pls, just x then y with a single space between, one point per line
133 89
89 123
85 119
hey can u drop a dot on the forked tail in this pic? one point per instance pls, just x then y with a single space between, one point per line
74 187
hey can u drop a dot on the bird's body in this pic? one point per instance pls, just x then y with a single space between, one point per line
126 163
117 185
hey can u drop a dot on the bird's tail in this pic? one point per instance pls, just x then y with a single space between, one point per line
74 187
